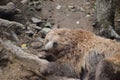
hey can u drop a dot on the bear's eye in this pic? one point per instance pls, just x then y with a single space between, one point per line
55 44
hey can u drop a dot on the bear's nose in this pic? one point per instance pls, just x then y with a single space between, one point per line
55 44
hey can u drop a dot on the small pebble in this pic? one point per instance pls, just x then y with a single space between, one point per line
77 22
36 45
58 7
24 1
87 15
35 20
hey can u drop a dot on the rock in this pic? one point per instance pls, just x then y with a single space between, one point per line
29 32
48 25
44 31
36 45
77 22
58 7
71 7
88 15
35 20
88 3
40 39
95 24
82 9
35 26
38 7
118 20
24 1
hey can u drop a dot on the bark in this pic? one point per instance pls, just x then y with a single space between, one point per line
105 18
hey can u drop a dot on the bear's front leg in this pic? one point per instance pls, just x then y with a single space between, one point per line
60 69
108 69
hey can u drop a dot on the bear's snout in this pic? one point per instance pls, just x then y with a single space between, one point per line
49 46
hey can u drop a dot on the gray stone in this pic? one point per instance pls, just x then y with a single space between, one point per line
40 39
36 45
48 25
58 7
35 26
46 30
29 32
24 1
35 20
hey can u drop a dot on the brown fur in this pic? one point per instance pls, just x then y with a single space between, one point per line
79 49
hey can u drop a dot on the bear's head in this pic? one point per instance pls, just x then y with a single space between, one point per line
58 41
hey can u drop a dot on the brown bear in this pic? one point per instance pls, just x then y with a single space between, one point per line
81 54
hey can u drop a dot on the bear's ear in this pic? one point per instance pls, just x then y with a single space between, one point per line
62 33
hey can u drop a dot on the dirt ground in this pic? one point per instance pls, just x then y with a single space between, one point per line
62 13
59 13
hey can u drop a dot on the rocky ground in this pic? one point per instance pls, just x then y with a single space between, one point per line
38 18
